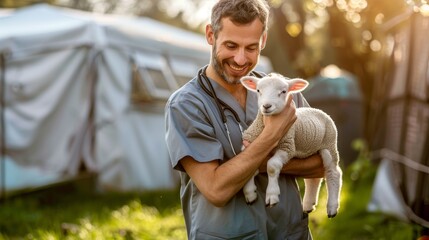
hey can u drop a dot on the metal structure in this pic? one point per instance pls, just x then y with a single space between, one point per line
399 121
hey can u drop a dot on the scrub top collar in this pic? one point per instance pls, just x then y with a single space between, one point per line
246 115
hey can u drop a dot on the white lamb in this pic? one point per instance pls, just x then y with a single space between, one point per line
313 131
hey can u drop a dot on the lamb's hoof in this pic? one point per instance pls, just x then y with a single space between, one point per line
332 214
251 197
308 209
271 201
270 205
332 210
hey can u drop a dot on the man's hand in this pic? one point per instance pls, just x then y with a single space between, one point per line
279 124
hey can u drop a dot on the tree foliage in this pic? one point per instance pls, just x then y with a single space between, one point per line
176 13
346 33
22 3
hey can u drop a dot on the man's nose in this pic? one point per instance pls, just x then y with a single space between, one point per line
240 57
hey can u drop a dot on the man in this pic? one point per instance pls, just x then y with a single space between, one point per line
205 146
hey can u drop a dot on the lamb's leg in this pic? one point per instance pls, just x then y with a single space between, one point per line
333 175
249 189
274 166
311 195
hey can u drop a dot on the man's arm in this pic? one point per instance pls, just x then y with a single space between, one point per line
220 182
311 167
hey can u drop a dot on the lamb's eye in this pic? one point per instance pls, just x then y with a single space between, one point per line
257 90
284 91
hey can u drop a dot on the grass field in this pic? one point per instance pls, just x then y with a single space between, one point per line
74 211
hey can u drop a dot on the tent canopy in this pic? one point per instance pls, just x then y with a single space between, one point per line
68 79
87 91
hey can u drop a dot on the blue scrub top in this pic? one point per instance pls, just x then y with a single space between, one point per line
195 128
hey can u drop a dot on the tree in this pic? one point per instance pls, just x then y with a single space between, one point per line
22 3
310 34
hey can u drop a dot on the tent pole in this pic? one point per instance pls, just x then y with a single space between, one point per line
407 99
2 126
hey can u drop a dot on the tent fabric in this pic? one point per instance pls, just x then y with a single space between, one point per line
47 95
386 194
70 81
29 176
43 104
67 103
42 28
139 137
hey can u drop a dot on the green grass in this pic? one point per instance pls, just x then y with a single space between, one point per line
353 221
68 212
73 211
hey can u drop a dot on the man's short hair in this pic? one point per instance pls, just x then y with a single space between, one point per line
239 12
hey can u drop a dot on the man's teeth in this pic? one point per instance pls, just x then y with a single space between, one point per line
236 68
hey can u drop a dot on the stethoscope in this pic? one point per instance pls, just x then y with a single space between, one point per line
221 105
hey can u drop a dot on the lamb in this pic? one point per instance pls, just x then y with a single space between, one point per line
313 131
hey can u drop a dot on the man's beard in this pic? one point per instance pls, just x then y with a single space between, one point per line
218 67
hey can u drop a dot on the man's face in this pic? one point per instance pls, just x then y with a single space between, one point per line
235 51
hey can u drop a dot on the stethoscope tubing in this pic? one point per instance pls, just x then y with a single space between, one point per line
221 105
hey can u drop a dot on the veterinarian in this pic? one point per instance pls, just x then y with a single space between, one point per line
204 121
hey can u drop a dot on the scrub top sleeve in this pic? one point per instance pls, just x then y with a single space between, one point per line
189 133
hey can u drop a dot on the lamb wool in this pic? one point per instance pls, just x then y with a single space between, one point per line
313 132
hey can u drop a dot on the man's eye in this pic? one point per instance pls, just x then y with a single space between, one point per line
230 45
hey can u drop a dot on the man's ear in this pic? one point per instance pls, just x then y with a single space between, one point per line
210 34
264 40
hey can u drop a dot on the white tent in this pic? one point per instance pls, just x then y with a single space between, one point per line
67 103
46 82
87 91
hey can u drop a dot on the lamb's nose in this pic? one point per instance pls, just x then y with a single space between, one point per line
267 106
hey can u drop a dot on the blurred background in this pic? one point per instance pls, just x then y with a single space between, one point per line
83 86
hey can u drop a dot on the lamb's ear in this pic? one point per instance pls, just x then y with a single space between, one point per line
250 82
297 85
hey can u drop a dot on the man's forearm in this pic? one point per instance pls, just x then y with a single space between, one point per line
235 173
220 182
311 167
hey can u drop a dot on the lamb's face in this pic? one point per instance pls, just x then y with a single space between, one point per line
272 92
